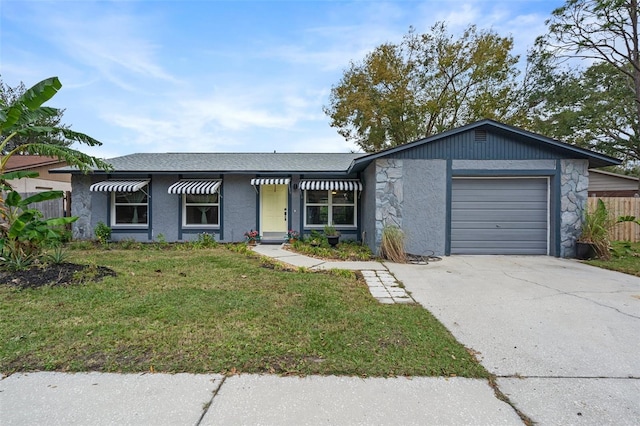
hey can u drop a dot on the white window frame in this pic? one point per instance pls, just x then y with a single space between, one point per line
198 225
128 225
330 204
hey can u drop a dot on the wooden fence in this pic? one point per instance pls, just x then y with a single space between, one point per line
50 208
621 206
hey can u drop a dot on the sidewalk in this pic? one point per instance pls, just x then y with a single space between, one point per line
187 399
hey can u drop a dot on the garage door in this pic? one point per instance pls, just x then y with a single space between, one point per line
499 216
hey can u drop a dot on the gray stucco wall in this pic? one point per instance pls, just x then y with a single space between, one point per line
239 200
425 206
368 206
165 208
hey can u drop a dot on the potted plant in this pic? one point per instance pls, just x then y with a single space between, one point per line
253 237
596 227
292 236
333 235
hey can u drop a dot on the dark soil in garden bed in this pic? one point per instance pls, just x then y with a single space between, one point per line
58 274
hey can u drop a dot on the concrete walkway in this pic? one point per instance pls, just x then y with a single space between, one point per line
382 285
296 259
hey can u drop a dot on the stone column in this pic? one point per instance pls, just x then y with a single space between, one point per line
81 206
573 202
389 195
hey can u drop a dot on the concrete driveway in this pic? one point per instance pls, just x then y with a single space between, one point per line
562 338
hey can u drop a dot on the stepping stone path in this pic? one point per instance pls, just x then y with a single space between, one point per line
384 287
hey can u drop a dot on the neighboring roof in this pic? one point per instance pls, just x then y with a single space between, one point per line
615 175
595 159
26 162
229 163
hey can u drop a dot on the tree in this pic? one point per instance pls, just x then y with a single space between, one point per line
9 95
426 84
605 31
23 118
593 109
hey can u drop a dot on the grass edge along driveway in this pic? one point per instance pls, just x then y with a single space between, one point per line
217 311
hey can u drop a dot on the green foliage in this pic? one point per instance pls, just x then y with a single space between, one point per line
23 231
603 102
57 255
205 241
22 118
625 258
595 229
53 118
331 231
102 233
424 85
317 246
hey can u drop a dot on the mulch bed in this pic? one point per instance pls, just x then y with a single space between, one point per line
55 275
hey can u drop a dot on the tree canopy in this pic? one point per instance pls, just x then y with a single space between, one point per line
599 107
424 85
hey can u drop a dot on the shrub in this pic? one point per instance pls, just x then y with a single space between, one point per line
392 245
102 233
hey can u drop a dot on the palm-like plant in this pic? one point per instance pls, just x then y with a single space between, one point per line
22 230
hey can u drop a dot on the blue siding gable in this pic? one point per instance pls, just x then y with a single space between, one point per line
486 140
492 146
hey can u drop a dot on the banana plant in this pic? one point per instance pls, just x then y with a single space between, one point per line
23 231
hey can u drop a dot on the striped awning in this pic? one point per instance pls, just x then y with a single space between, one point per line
119 185
195 186
331 185
270 181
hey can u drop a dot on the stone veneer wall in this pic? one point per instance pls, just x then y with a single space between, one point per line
389 195
81 229
573 202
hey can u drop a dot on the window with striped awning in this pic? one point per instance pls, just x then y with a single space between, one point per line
331 185
270 181
195 186
119 185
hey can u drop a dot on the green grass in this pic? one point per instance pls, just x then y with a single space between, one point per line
625 257
214 310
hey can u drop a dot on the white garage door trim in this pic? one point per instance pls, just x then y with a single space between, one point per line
500 215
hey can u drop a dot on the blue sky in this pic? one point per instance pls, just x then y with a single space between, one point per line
219 76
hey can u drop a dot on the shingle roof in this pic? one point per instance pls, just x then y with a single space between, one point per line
24 162
232 162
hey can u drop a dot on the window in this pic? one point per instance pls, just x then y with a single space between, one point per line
129 208
330 207
200 210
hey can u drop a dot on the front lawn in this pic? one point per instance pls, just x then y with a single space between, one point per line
214 310
625 257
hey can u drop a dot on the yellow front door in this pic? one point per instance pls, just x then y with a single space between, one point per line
273 208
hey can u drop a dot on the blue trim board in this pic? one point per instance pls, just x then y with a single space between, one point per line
150 210
447 232
258 209
499 172
220 211
557 191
